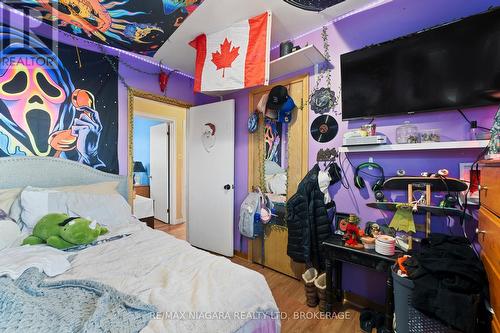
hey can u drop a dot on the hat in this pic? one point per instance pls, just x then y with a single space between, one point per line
285 112
277 96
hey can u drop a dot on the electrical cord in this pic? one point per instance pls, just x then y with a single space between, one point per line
470 123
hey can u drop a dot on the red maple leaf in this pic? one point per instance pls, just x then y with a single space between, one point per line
226 56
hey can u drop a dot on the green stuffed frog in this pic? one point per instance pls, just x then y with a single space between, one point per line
62 232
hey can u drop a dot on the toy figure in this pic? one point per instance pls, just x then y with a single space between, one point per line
375 230
353 233
62 232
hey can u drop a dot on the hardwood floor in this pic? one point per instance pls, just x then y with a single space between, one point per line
176 230
289 294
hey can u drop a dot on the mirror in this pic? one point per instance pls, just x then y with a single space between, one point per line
275 160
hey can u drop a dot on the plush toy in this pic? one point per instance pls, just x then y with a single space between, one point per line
62 232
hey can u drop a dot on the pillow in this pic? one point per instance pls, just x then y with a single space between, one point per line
8 197
10 234
98 188
106 209
38 202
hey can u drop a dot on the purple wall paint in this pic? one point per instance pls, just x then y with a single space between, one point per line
179 87
388 21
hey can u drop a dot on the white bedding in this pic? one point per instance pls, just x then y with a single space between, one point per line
177 278
143 207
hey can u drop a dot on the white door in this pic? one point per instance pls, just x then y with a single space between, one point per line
160 173
210 177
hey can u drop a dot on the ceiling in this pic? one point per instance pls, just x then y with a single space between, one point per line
139 26
216 15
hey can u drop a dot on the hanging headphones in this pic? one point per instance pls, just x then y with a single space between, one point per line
359 182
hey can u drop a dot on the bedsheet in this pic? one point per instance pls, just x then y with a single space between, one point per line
193 290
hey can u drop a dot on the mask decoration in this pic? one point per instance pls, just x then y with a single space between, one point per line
208 137
33 100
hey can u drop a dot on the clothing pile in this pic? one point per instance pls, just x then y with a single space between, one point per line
449 280
308 220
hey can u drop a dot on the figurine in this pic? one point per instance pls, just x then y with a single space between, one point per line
353 233
375 230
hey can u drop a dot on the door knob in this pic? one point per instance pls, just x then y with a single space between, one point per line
227 187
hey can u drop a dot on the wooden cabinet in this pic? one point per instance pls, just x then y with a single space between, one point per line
489 232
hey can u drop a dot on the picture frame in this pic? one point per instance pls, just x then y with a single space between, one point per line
340 223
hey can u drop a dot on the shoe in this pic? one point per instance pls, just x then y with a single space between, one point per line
320 284
379 321
367 320
309 277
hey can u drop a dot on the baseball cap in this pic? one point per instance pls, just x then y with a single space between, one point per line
277 96
285 112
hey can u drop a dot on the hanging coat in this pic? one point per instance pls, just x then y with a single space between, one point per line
308 222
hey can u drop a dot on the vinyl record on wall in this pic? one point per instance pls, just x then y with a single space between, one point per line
324 128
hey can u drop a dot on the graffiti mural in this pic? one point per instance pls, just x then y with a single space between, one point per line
133 25
52 104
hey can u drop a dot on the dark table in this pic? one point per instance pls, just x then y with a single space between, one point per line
336 253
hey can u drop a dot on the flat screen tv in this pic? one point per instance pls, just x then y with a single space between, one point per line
442 68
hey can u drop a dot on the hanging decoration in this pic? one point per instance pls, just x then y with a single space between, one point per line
313 5
137 26
323 100
54 105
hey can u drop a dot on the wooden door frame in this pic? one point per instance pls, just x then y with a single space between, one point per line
303 106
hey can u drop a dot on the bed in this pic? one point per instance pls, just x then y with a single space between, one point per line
181 281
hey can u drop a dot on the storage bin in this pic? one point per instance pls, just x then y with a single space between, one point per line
409 319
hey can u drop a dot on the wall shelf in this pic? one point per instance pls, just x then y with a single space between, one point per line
422 209
306 57
416 146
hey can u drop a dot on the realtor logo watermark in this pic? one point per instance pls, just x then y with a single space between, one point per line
297 315
26 38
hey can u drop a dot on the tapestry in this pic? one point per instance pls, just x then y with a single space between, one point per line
132 25
57 100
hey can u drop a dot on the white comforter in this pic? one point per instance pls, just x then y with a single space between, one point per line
177 278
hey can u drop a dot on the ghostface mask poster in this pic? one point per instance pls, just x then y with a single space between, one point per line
53 101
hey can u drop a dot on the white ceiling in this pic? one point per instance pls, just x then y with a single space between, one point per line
216 15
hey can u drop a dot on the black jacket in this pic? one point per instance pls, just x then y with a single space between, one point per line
308 222
449 279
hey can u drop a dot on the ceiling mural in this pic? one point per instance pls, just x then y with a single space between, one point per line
140 26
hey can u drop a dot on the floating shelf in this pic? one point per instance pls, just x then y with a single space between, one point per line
306 57
416 146
436 183
422 209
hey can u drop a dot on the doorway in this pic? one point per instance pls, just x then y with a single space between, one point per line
152 171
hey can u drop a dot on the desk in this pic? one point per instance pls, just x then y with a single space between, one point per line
336 253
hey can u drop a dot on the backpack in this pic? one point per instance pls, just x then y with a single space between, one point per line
250 223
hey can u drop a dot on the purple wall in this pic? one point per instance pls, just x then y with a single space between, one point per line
179 87
388 21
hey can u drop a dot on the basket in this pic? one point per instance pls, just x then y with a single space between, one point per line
409 319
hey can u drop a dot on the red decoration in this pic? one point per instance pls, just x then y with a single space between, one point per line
225 58
163 78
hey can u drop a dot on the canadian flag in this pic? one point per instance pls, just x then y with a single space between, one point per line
235 58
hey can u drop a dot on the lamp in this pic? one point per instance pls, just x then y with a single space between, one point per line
138 168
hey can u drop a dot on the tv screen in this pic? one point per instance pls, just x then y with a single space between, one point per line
446 67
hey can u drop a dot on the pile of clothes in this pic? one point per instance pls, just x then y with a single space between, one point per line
450 281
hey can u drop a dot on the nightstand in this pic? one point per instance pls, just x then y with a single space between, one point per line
142 190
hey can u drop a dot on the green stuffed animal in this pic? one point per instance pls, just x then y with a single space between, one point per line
62 232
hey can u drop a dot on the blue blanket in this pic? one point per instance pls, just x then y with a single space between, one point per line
30 304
